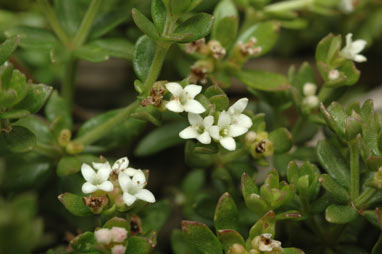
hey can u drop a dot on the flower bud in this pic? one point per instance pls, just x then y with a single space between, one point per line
200 70
309 89
216 49
197 46
237 249
103 236
334 74
74 147
118 249
311 101
64 137
250 137
118 234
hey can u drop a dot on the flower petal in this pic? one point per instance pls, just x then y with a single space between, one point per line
228 143
193 106
236 130
224 119
214 132
99 166
208 121
104 173
139 179
106 186
175 89
359 58
88 172
358 46
128 198
193 90
238 106
124 181
145 195
348 39
195 119
88 188
130 171
175 106
188 133
204 138
121 164
245 121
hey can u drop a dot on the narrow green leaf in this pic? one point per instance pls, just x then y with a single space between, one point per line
159 14
145 25
7 48
57 109
14 114
193 182
281 140
36 97
33 37
226 23
337 191
263 80
143 56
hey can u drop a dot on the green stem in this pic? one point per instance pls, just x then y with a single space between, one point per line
104 128
47 150
54 23
68 85
288 5
365 196
87 23
354 169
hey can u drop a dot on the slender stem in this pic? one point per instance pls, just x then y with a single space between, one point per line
354 169
87 23
365 196
47 150
105 127
67 88
288 5
54 23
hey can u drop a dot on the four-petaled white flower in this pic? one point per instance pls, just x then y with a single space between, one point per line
96 180
133 188
198 129
236 110
120 165
183 98
225 131
353 48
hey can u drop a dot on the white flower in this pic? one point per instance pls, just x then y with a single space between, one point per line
96 180
120 165
353 48
346 6
235 112
309 89
267 244
225 131
334 74
118 234
311 101
133 188
103 236
184 98
118 249
198 129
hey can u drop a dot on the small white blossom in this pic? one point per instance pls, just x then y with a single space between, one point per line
225 131
353 48
333 74
183 98
235 112
198 129
118 234
103 236
309 89
96 180
346 6
120 165
118 249
311 101
267 244
133 188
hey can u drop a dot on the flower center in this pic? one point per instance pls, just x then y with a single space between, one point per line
224 132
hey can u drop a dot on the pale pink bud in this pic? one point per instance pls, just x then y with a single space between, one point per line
118 249
103 236
118 234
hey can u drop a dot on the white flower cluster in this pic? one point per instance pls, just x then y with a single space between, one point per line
310 99
230 124
115 235
131 181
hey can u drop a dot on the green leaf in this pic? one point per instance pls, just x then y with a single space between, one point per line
85 242
263 80
217 97
117 222
145 25
138 245
264 225
7 48
33 37
374 217
74 204
281 140
337 191
288 215
39 128
226 213
143 56
148 113
194 28
226 23
155 216
159 14
229 237
160 139
194 158
72 164
57 110
340 214
292 251
36 97
179 244
70 13
14 86
201 238
14 114
18 140
332 161
193 182
265 33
